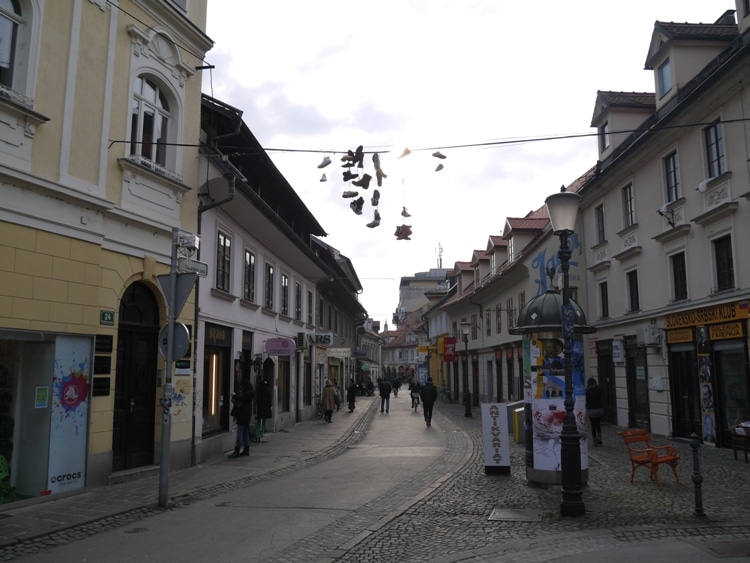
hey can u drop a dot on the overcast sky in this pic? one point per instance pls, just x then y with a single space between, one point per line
483 82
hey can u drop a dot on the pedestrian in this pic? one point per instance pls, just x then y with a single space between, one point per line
429 395
351 395
396 386
595 408
242 411
264 408
414 389
330 400
385 394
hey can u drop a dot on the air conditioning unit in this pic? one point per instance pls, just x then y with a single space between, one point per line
300 340
648 336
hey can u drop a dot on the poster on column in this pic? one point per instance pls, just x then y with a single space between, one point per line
545 398
705 375
70 414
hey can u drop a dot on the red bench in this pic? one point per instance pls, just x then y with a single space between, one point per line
644 454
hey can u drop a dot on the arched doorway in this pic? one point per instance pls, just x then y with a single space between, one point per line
135 379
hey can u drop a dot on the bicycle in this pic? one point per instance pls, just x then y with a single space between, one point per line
445 393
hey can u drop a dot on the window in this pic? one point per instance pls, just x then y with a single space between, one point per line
320 313
310 308
269 287
628 212
715 149
603 300
298 301
509 308
498 319
474 334
665 78
285 295
330 317
488 322
510 249
521 300
634 303
149 122
248 293
10 17
672 178
679 276
604 137
599 216
724 263
223 261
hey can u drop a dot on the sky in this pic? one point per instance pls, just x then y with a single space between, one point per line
492 85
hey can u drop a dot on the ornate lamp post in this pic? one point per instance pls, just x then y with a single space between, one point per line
465 327
563 210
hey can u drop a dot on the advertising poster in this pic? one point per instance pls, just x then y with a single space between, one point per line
70 414
706 386
495 438
545 401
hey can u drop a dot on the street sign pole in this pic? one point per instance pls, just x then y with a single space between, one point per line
166 401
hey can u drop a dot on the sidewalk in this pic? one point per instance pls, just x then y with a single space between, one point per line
622 523
277 452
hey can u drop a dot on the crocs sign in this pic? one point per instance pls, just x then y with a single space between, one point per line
280 346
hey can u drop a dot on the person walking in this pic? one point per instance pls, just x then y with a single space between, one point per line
414 389
429 395
265 408
351 395
242 411
595 408
385 394
330 400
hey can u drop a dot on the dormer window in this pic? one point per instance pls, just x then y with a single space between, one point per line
604 137
511 253
664 75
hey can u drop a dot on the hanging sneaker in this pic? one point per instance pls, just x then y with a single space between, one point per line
349 176
375 198
348 164
364 183
357 204
380 175
323 178
405 213
406 152
439 167
405 233
376 161
350 194
359 156
376 221
399 228
439 155
326 162
349 156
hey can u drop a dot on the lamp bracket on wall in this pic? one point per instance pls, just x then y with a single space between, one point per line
668 214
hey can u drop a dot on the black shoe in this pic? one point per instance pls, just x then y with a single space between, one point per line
349 176
246 451
234 454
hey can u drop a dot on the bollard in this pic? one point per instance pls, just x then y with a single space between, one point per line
697 477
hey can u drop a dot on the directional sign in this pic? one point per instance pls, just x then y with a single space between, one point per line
184 286
187 265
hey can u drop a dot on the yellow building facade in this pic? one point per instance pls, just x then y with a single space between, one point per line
99 122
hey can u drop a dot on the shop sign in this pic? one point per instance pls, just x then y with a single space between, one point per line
280 346
724 331
339 352
679 335
320 339
449 354
708 315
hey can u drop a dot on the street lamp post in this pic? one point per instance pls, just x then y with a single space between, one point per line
465 326
563 210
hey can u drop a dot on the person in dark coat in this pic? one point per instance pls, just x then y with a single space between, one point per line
414 390
429 395
385 394
595 409
265 403
351 396
242 411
